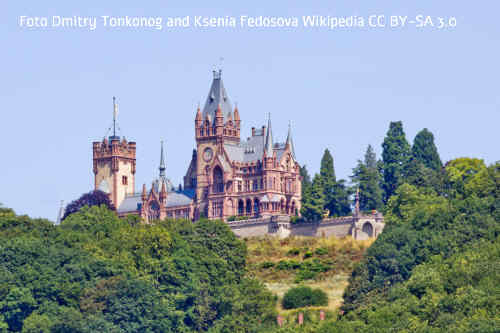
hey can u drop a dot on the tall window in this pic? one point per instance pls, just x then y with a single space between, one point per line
218 185
124 180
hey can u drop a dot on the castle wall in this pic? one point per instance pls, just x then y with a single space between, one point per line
281 226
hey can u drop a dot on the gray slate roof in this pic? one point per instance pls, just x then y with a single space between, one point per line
251 150
217 95
174 199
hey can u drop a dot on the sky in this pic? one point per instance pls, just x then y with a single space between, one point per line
340 88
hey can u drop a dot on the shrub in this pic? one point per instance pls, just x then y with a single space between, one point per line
288 265
308 254
233 218
296 219
304 296
267 264
321 251
293 252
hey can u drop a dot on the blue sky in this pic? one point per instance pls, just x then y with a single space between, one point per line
339 88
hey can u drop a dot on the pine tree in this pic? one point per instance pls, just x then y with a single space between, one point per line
425 168
395 155
336 194
367 177
424 150
313 206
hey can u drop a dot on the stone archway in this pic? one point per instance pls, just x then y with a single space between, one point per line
368 229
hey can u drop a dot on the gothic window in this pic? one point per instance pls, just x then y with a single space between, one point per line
255 185
249 207
154 211
256 206
124 180
241 208
218 185
239 186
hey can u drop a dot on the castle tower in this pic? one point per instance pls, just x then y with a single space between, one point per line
114 164
215 125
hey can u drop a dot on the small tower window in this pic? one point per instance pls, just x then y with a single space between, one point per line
124 180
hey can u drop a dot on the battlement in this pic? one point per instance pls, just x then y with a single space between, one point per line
108 148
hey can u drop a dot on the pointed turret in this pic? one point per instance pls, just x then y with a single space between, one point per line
198 118
289 140
163 192
268 147
217 97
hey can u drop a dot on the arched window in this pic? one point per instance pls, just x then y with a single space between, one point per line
241 207
153 211
249 207
218 185
256 207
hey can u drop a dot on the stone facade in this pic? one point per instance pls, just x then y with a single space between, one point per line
360 227
226 177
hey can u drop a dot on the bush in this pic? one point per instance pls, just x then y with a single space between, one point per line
267 264
321 251
304 296
308 254
296 219
293 252
233 218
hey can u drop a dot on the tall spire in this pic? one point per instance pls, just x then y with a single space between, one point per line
162 163
289 139
268 147
217 98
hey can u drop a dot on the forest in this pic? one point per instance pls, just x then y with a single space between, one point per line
435 267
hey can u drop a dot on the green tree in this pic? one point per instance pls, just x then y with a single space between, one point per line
336 193
424 150
367 178
313 208
395 156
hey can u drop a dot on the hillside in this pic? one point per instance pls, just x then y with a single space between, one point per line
324 263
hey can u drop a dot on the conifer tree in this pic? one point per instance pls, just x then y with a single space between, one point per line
424 150
336 194
313 205
395 156
367 178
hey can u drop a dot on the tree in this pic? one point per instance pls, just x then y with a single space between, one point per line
313 207
93 198
367 178
395 156
424 150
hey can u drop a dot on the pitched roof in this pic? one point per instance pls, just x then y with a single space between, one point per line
174 198
217 95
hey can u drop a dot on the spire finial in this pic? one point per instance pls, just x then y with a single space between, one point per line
115 114
269 138
162 162
289 139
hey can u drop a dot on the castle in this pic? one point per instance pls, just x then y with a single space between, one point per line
227 177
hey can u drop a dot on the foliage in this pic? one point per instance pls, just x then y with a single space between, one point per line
435 266
233 218
395 156
304 296
424 150
367 178
97 272
93 198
